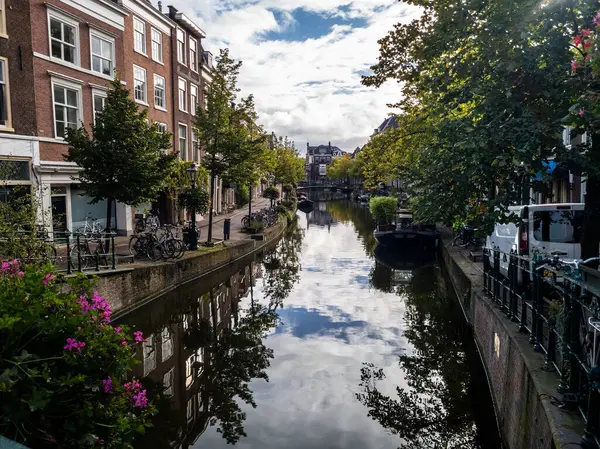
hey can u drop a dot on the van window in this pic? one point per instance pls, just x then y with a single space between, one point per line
560 226
506 230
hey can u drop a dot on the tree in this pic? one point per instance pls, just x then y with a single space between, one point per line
288 166
218 127
340 168
484 83
123 159
272 193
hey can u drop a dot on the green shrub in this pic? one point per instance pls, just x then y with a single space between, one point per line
271 193
256 226
289 204
197 199
242 195
281 209
63 365
383 209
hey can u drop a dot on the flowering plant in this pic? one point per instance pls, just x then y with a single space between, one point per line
62 364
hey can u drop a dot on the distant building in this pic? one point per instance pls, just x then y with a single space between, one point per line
389 123
318 158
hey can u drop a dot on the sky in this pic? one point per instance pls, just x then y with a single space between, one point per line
303 60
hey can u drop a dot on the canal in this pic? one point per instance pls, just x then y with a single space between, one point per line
323 341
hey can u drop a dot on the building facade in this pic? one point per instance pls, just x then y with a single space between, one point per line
57 58
318 158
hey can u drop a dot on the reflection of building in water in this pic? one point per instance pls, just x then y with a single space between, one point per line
177 355
320 216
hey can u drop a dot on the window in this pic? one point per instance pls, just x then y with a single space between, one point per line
102 55
160 100
193 98
183 142
157 53
167 344
2 18
180 46
182 95
67 114
195 155
139 36
558 226
63 40
99 101
162 127
168 379
149 355
193 55
4 95
567 136
139 84
189 371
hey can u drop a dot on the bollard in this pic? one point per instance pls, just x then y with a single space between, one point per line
227 229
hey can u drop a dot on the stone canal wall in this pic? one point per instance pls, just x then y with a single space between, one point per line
127 288
524 393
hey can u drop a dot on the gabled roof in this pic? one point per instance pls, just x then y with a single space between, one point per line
390 122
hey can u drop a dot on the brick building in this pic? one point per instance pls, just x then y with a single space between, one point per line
318 158
56 60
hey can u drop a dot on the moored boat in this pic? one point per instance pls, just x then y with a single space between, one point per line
405 232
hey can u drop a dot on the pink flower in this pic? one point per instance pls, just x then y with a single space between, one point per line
118 330
587 46
108 385
597 19
133 386
574 65
138 337
577 41
123 342
139 399
586 32
48 278
74 344
581 112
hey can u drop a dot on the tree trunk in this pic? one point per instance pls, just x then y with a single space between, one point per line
212 202
590 238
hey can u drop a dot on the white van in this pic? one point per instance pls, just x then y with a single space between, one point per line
545 229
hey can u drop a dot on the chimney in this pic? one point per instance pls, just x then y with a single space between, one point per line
172 11
330 147
160 6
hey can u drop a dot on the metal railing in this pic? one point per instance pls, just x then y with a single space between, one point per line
68 251
558 305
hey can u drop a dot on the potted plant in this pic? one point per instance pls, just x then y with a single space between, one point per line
383 210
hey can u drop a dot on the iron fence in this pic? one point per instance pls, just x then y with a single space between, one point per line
68 251
558 306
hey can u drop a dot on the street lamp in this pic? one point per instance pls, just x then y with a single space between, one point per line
270 178
193 175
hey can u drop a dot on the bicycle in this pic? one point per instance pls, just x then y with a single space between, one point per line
93 230
82 256
466 237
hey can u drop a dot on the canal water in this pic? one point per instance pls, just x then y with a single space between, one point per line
323 341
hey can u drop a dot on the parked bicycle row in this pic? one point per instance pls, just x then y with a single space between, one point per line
158 243
265 217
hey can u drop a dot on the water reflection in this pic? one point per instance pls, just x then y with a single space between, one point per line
359 346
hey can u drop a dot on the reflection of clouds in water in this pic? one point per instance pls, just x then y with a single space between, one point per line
331 324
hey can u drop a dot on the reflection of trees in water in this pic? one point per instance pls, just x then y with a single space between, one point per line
217 351
360 217
283 267
435 411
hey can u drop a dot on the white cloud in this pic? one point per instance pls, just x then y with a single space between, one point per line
308 90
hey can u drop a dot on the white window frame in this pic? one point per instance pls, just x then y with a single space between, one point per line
111 41
68 21
149 355
97 93
164 92
6 82
181 51
194 60
584 138
67 85
144 49
3 31
185 94
193 94
162 127
182 153
566 137
195 147
159 43
145 100
169 378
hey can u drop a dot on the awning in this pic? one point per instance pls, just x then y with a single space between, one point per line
549 167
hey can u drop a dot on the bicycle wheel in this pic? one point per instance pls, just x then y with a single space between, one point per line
154 249
81 251
136 246
169 249
180 248
458 240
245 221
49 253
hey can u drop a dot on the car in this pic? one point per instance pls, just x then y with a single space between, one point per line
548 230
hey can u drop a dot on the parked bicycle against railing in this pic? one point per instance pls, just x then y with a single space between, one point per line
467 236
91 228
160 243
88 251
150 223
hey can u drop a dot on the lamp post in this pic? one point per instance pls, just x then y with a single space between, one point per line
270 178
193 175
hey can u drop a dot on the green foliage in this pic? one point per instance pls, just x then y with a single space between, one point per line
124 158
255 226
340 168
288 188
289 205
287 165
62 365
271 193
242 195
383 209
196 199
